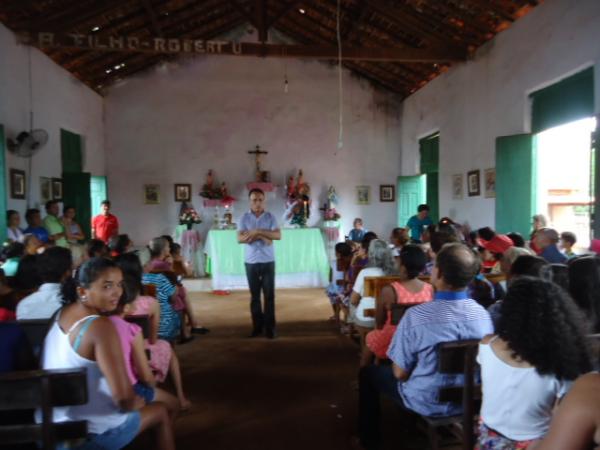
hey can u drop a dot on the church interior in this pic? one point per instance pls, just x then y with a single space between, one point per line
333 155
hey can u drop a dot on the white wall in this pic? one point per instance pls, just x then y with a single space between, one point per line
174 124
59 101
479 100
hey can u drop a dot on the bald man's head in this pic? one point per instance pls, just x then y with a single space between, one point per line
457 265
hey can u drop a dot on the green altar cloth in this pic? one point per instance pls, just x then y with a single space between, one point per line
300 259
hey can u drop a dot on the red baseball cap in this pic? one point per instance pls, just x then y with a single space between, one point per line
498 244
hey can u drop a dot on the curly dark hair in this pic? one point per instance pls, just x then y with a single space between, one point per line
542 326
584 285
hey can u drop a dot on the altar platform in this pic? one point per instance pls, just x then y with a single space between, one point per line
300 259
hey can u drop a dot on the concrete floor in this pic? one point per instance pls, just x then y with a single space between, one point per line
296 392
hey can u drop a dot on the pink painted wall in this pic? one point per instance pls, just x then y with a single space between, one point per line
174 124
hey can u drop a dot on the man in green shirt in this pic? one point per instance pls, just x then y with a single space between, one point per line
54 226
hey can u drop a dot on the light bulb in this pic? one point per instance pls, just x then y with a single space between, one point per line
286 85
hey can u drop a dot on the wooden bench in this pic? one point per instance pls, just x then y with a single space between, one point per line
141 320
44 389
455 358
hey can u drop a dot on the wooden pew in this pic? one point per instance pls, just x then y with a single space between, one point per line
458 357
143 321
44 389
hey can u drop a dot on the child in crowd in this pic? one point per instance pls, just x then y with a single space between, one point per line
180 267
398 239
132 343
409 290
538 350
337 275
163 359
567 241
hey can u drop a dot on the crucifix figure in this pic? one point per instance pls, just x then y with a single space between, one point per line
257 152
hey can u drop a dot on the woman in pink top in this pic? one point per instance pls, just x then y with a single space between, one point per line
408 291
163 359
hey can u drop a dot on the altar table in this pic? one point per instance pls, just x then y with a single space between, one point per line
300 259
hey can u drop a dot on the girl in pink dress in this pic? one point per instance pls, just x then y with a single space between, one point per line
163 359
408 291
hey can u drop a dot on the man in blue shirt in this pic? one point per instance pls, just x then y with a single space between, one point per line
413 381
417 223
546 239
358 232
258 229
34 220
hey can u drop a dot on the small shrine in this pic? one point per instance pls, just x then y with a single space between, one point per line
215 194
298 201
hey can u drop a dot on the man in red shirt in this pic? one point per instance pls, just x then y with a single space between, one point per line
105 225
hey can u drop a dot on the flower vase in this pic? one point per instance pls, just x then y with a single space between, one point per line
189 226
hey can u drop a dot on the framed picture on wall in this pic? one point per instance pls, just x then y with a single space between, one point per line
387 193
45 189
183 192
473 183
151 194
363 195
489 179
57 189
17 183
457 186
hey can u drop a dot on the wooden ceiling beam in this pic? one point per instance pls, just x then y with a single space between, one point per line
156 28
146 62
489 6
242 10
381 81
284 10
260 14
69 19
109 60
171 24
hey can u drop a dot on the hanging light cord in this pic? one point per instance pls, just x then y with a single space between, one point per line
30 174
340 143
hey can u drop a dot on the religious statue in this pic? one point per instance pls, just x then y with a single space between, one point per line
298 201
329 209
212 191
262 176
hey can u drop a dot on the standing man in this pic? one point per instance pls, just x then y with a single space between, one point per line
258 229
54 226
105 225
417 223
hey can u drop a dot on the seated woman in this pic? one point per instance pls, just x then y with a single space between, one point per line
408 291
80 337
381 263
96 248
161 261
584 286
528 365
163 359
119 245
13 226
74 234
398 239
576 423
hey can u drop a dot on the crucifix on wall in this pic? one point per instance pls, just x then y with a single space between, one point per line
261 176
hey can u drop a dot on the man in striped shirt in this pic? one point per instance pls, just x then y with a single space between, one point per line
413 380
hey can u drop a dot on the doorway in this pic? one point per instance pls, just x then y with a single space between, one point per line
565 161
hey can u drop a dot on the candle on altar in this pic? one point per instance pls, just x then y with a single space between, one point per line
305 209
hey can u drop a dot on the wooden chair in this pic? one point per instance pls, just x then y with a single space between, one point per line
455 358
35 330
44 389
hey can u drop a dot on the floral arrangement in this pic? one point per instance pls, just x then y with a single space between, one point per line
188 216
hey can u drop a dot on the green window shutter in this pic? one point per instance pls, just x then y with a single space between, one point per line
76 193
3 205
429 149
411 193
566 101
515 183
433 195
71 152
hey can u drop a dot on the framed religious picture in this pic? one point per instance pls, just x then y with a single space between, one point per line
387 193
45 189
151 194
57 189
457 186
183 192
473 183
17 183
363 195
489 179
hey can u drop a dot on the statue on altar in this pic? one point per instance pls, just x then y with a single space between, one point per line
213 191
329 210
298 201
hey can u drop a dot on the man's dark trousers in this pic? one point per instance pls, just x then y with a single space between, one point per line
261 276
